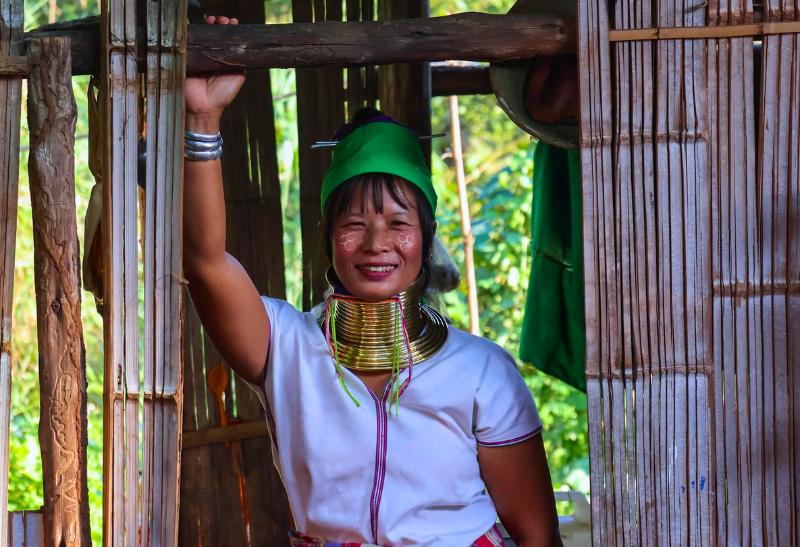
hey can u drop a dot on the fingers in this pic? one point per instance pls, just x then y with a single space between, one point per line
221 20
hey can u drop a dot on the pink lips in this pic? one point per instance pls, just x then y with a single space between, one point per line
376 272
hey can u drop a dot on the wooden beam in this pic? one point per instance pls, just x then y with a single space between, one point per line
470 79
11 21
464 37
62 367
217 435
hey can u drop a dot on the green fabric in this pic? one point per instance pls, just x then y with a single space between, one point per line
553 330
379 147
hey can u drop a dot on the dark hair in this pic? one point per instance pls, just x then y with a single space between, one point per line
371 186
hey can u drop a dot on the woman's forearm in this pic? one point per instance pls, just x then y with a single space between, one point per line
203 206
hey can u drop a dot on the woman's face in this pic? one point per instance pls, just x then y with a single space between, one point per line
377 255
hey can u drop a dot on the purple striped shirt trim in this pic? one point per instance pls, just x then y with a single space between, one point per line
514 440
382 420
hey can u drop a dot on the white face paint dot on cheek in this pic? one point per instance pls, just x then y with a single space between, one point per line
405 241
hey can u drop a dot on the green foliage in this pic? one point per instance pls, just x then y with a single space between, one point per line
498 166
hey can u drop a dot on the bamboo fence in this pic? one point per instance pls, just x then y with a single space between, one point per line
692 228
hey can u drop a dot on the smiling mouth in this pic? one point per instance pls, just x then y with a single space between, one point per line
377 269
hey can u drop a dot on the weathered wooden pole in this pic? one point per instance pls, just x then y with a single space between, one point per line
10 34
404 89
62 373
320 112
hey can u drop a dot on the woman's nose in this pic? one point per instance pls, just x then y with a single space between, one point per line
377 240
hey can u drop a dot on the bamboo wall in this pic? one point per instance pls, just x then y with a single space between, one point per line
215 456
692 228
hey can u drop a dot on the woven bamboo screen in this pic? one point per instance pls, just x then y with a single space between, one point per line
692 228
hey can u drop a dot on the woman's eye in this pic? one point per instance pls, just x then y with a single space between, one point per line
354 225
400 223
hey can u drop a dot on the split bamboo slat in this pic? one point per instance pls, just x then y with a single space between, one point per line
255 238
734 225
62 367
26 529
163 289
11 22
320 112
775 283
692 228
120 95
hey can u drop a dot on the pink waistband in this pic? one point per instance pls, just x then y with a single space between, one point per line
492 538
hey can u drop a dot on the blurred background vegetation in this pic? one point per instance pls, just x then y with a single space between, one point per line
498 161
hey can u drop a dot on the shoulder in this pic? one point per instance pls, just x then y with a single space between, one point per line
477 355
462 342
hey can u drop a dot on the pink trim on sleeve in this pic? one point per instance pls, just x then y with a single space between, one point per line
515 440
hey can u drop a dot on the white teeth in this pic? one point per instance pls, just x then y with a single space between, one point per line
378 268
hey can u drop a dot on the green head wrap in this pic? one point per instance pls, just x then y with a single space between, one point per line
379 147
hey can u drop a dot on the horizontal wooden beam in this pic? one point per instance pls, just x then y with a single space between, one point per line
14 66
467 79
217 435
463 37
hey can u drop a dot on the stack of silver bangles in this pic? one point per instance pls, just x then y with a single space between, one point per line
202 147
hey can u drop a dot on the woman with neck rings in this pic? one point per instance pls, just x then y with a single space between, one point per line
389 427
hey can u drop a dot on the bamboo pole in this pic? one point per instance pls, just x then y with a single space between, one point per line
11 21
62 367
466 226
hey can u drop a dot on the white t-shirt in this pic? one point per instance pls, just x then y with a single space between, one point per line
364 474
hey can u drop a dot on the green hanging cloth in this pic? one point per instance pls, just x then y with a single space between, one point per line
553 330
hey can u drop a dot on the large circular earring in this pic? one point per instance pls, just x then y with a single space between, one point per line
331 277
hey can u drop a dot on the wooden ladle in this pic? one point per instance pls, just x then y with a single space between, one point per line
217 380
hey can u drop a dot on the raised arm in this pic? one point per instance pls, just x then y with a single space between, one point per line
226 300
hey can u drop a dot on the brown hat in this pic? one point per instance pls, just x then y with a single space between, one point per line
510 80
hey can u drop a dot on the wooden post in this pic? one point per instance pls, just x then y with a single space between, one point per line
62 366
10 33
320 112
466 227
404 89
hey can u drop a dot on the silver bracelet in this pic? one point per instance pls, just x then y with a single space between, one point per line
202 147
202 155
202 137
197 145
